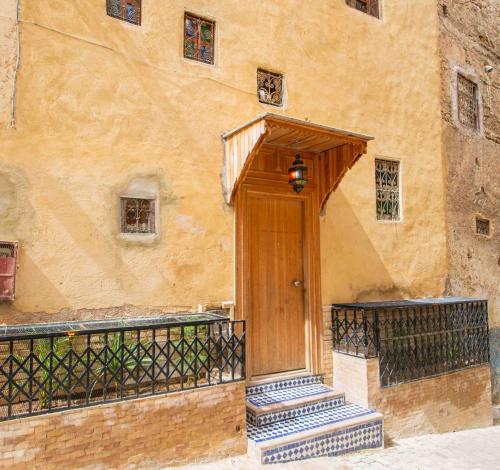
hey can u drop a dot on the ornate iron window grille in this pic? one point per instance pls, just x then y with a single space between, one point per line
387 190
366 6
8 268
126 10
413 340
199 38
482 226
42 373
138 215
467 102
270 87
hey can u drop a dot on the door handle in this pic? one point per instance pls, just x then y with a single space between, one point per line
297 283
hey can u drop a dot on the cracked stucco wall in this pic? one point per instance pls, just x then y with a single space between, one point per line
101 102
469 40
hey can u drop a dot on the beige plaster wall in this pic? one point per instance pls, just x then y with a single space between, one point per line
101 102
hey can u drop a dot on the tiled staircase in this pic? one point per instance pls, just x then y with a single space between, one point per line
301 418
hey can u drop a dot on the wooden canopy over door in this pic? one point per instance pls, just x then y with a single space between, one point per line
277 235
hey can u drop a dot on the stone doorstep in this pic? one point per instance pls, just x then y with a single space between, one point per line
294 403
255 388
256 449
296 407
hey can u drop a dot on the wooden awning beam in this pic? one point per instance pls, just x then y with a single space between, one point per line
244 142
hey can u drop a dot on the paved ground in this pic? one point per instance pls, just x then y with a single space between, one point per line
467 450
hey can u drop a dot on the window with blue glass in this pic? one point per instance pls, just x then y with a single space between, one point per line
199 38
126 10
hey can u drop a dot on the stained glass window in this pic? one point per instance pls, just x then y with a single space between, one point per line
482 226
367 6
199 37
137 215
270 87
467 99
387 187
126 10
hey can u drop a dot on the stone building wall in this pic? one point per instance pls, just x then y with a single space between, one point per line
146 433
469 42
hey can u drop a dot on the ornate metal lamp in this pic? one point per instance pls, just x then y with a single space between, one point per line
297 174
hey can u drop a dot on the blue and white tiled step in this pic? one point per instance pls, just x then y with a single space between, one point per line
278 405
302 418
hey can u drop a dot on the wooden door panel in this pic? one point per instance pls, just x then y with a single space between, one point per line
276 259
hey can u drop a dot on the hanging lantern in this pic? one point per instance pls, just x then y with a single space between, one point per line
297 174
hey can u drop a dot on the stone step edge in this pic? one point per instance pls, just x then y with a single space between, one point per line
257 447
294 403
261 454
256 388
302 409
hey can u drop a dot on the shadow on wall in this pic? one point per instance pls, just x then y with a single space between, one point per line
351 267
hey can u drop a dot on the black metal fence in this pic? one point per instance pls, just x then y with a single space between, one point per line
414 339
41 373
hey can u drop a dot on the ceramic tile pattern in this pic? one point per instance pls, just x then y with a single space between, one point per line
307 414
304 423
293 393
305 409
284 384
363 436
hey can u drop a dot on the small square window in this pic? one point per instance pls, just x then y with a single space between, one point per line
199 38
366 6
468 102
270 87
126 10
388 191
137 215
482 226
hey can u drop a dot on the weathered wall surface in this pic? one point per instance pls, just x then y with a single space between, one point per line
469 40
150 432
8 58
101 102
450 402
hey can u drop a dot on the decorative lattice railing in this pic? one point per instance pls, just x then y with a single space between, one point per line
414 339
51 367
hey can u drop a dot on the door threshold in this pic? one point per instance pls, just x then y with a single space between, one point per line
262 379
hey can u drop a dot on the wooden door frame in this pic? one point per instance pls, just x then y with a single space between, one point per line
312 274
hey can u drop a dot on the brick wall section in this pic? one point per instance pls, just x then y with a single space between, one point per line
327 345
451 402
151 432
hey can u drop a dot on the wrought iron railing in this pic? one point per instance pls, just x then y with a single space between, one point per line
76 365
414 339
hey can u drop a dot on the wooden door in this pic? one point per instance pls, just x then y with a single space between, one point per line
276 283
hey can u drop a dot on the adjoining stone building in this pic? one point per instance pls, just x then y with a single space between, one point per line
147 150
470 69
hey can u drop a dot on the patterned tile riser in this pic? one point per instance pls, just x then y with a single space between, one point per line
305 423
364 436
281 415
297 382
495 363
292 393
